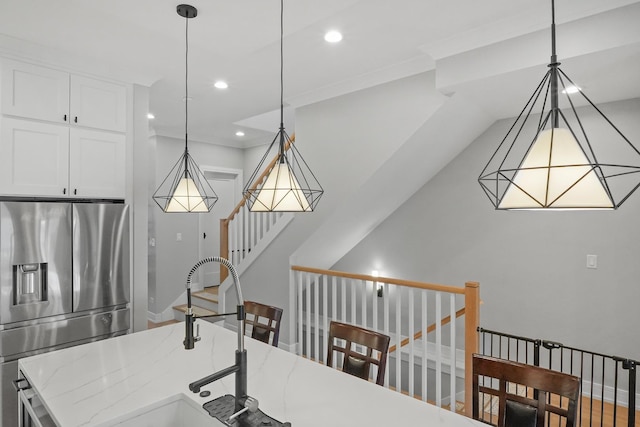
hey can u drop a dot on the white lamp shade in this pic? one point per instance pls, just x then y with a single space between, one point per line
186 198
555 173
281 192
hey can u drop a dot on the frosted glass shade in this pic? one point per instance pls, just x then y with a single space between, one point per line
186 198
280 192
556 173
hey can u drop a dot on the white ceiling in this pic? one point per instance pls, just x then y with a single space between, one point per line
493 51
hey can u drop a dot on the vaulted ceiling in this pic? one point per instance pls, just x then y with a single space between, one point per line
494 51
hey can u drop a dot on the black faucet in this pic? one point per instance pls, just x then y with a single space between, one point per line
240 367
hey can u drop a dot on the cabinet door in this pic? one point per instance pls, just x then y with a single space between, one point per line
97 164
34 92
98 104
34 158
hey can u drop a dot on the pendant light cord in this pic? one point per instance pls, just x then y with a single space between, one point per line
186 85
554 69
281 149
281 65
553 32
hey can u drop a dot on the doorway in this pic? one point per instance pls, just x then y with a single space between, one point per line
227 183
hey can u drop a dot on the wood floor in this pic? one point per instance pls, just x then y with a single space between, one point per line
151 325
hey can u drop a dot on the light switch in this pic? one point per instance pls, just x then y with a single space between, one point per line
592 261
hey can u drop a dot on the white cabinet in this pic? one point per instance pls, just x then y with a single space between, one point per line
42 93
96 164
42 159
62 135
98 104
34 158
35 92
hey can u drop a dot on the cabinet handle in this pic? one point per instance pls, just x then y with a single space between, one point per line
18 387
64 191
65 117
75 191
75 119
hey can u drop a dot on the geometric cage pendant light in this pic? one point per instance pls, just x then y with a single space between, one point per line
561 157
185 189
289 185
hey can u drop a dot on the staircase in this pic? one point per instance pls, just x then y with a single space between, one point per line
205 303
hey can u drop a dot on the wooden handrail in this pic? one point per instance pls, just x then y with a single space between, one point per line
430 328
258 180
224 223
389 280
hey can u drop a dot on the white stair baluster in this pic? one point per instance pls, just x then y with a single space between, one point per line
411 328
425 359
452 333
316 318
398 332
438 349
385 297
308 317
343 286
300 312
325 318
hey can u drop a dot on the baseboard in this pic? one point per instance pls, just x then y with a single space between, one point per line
154 317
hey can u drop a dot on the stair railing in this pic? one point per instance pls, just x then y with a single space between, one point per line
609 383
243 229
402 309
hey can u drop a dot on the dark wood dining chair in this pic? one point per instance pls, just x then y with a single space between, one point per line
264 321
354 362
526 395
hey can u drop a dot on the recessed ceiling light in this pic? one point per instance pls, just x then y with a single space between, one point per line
571 89
150 116
221 85
333 36
239 133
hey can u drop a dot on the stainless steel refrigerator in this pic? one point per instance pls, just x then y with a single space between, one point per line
64 280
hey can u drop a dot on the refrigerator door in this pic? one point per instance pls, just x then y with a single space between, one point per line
100 255
35 260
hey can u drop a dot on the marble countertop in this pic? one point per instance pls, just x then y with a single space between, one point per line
102 383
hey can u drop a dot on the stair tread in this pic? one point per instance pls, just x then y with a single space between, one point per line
198 311
207 295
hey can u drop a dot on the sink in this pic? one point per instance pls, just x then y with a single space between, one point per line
176 411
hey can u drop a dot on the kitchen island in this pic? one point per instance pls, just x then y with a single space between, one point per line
108 382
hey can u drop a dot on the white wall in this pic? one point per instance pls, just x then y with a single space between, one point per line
173 259
531 265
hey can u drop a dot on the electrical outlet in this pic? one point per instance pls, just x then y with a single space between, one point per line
179 237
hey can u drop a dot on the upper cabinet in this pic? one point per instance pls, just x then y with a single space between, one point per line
34 92
62 135
41 93
98 104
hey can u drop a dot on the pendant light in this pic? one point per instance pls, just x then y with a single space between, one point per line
289 186
556 160
185 189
